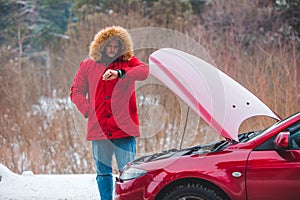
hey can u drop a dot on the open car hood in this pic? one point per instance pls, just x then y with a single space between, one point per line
218 99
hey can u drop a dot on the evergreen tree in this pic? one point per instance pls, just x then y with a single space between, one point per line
30 24
290 12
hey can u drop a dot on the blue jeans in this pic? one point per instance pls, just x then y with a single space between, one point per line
103 151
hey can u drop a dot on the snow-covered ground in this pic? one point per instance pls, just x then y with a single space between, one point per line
29 186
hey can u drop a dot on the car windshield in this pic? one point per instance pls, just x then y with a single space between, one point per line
243 137
249 136
273 126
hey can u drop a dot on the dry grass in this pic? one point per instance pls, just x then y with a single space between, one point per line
57 145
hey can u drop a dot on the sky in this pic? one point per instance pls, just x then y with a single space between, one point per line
29 186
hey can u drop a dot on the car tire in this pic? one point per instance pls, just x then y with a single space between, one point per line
192 192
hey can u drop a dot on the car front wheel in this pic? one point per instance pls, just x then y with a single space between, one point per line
192 192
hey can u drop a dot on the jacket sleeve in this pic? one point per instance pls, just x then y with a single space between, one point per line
79 90
136 69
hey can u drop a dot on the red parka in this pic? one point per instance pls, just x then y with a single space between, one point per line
109 105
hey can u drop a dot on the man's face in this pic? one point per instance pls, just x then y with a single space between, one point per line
112 48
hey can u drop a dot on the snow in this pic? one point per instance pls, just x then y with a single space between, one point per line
29 186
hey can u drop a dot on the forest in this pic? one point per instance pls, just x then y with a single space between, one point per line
256 42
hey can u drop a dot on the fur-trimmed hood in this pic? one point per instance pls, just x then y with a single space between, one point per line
100 39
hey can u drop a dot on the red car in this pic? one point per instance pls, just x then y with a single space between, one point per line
255 165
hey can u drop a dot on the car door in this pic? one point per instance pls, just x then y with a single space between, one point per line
275 174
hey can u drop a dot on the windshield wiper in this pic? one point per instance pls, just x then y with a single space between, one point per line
247 136
221 145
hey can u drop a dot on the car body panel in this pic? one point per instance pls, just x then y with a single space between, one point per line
273 175
201 167
222 102
262 173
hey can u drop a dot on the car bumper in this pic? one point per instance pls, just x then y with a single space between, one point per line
136 189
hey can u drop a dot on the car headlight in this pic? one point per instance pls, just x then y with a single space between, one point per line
131 173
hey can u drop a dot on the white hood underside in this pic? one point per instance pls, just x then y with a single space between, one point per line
218 99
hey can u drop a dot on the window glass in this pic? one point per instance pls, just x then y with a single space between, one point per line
294 136
294 139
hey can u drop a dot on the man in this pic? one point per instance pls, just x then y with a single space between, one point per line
108 78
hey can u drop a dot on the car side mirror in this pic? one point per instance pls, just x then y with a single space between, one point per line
282 140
